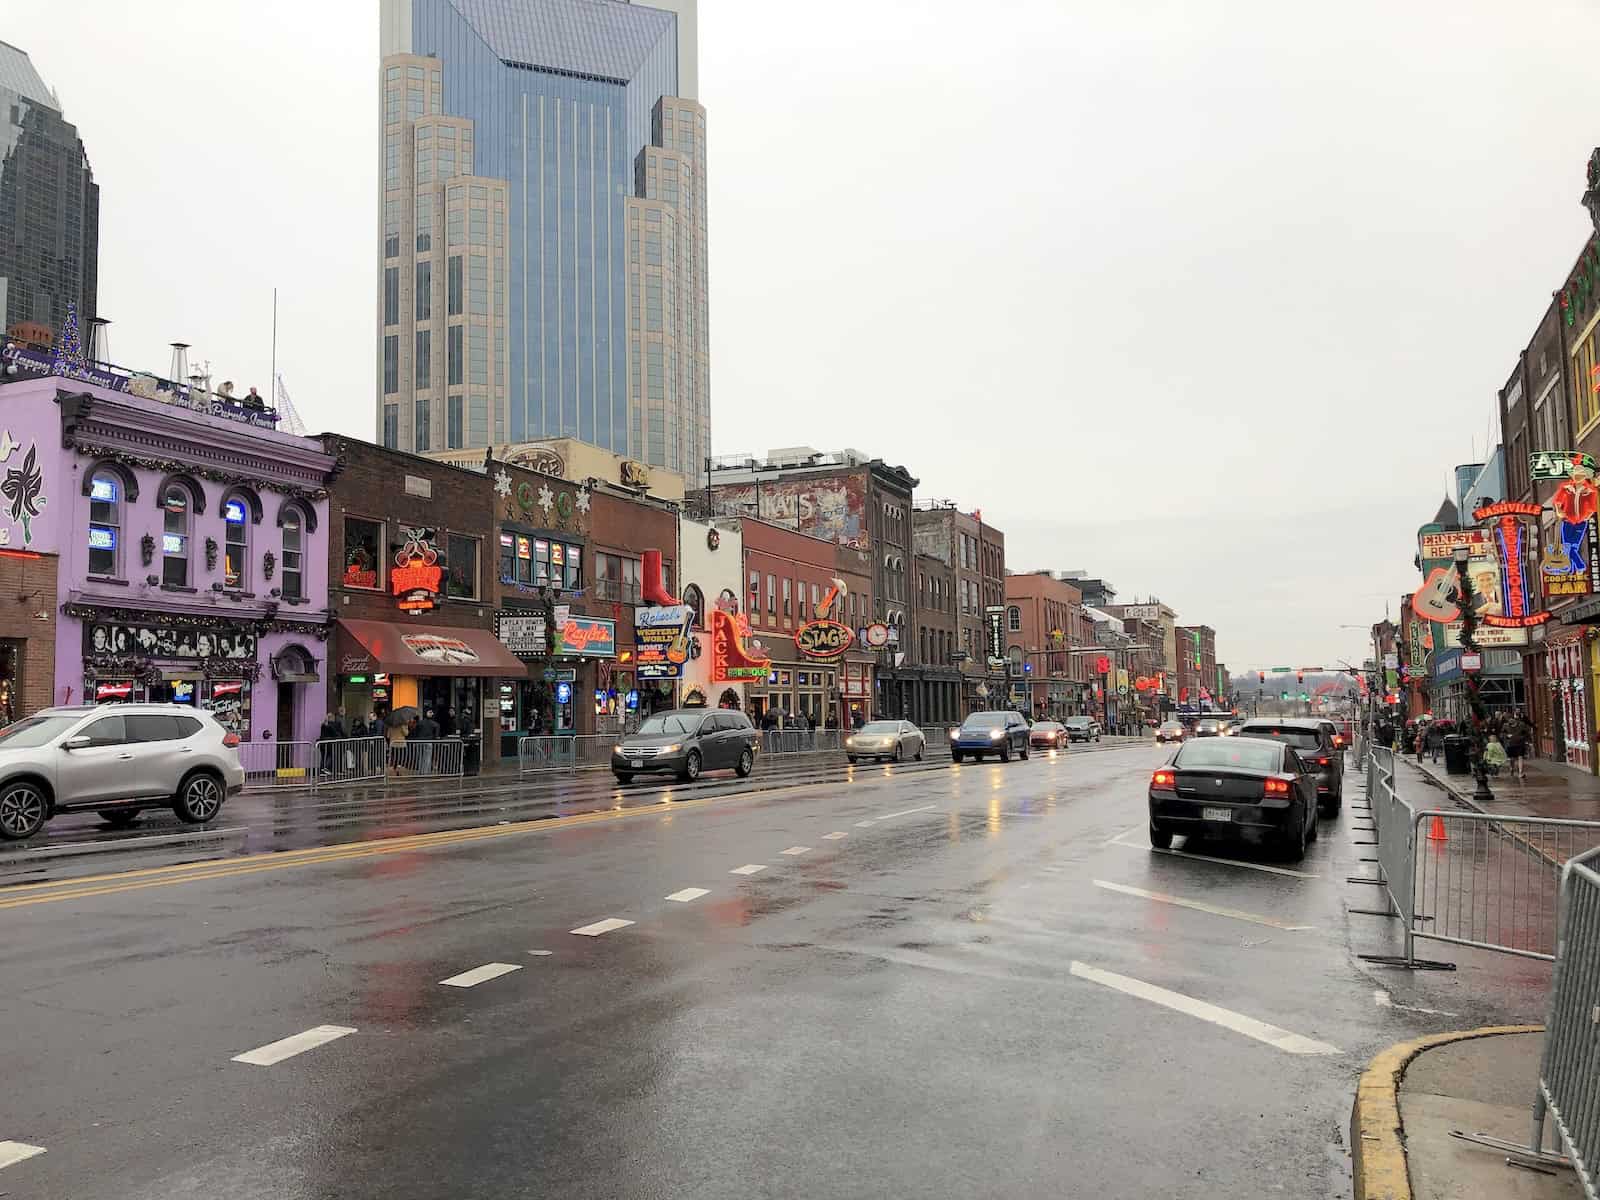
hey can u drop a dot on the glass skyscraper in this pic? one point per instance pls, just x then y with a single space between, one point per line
49 205
542 269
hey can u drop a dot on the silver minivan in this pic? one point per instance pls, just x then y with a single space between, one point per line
117 760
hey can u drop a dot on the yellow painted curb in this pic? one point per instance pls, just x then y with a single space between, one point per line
1377 1140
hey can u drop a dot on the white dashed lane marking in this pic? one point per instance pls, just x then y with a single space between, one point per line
276 1052
864 824
748 869
1199 906
907 812
1280 1039
835 835
15 1152
479 975
792 850
600 927
541 953
687 894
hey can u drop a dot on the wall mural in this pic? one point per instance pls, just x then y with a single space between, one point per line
22 487
834 509
166 641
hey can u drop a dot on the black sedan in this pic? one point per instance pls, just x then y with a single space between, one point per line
1238 787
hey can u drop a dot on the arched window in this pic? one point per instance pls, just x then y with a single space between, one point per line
236 542
696 601
105 522
294 531
176 514
1014 619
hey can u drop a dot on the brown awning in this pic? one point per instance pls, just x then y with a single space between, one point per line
425 650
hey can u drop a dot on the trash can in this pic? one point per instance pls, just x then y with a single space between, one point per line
1457 754
471 753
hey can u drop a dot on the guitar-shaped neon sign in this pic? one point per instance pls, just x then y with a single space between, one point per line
1435 599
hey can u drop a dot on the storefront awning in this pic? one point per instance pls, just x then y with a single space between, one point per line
424 650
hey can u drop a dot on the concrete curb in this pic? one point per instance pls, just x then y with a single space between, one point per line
1377 1138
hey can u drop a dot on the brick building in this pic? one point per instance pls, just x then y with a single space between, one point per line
623 526
976 554
1197 664
1050 646
411 565
931 663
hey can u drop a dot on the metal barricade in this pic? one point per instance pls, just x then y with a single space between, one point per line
543 753
938 738
1492 882
277 764
1392 827
426 758
347 760
1566 1091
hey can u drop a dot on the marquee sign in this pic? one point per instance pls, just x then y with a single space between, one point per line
823 639
994 618
1509 606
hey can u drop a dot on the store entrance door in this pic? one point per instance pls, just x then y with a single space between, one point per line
286 724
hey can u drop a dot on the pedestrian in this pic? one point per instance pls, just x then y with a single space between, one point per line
447 722
326 736
344 722
1519 733
426 733
857 719
397 746
1494 755
1435 737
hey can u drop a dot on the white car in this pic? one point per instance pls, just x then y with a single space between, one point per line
1083 729
117 760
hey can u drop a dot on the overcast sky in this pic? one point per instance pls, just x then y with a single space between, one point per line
1204 298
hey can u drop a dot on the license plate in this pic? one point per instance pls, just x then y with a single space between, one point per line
637 763
1216 814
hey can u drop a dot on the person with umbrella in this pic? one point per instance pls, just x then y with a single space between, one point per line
398 727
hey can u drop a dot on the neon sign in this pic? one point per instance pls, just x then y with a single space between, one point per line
731 657
417 574
1572 569
1508 606
589 637
823 639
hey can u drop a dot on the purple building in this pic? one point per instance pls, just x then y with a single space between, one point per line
190 550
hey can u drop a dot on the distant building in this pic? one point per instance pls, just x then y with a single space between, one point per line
49 206
543 228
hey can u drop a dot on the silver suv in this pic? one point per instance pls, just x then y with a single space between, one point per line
116 759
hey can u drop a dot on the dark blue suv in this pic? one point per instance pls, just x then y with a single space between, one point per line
999 733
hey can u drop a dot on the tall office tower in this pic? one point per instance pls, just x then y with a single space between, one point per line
543 228
49 205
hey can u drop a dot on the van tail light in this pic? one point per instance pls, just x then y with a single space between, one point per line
1275 787
1338 740
1322 762
1164 779
230 739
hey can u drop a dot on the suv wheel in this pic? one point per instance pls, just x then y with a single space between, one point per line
747 762
691 766
23 809
199 798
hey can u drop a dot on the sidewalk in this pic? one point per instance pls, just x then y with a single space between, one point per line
1415 1093
1550 790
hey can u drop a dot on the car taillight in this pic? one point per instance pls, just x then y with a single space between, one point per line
1275 787
1322 762
230 739
1163 779
1338 739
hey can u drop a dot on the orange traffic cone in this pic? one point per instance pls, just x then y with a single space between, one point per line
1436 831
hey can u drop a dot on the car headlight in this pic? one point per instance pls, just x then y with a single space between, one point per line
996 734
849 741
617 749
954 734
672 749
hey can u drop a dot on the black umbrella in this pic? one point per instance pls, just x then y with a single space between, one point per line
403 715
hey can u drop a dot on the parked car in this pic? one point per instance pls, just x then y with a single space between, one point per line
685 742
1208 727
1083 729
995 732
1170 731
115 760
1048 735
1243 788
886 739
1314 743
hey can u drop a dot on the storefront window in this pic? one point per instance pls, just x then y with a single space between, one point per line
105 523
363 555
229 702
508 557
462 576
175 538
236 548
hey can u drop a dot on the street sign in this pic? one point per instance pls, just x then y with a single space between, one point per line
1472 662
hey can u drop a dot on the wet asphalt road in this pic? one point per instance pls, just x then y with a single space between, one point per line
986 986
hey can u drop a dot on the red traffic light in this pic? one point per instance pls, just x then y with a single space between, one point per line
1102 665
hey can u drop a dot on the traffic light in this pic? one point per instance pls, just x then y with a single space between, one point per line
1283 695
1261 678
1300 677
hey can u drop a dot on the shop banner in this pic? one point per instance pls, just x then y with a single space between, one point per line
162 641
661 640
994 617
